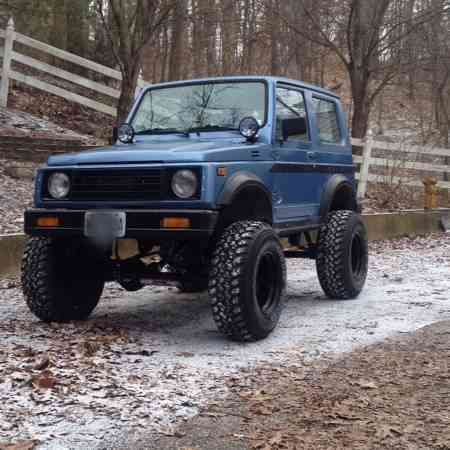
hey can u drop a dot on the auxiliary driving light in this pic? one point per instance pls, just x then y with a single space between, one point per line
249 128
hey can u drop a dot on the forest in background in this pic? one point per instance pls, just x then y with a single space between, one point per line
379 55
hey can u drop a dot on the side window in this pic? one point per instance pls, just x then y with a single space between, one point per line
291 109
327 121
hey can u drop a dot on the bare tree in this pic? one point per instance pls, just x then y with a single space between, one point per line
130 25
371 30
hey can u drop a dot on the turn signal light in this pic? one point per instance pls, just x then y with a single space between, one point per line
48 222
175 222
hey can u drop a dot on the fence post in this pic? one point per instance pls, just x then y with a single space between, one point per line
364 171
7 54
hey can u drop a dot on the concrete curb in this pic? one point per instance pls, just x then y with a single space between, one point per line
404 223
380 226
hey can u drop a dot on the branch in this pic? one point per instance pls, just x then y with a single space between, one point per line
326 42
387 79
109 35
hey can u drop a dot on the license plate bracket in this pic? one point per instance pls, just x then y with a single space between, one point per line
105 225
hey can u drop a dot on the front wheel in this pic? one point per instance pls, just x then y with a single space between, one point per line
342 255
62 279
247 281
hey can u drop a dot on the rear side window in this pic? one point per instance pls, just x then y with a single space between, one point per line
327 121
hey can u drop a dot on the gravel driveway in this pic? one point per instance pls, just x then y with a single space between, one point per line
148 360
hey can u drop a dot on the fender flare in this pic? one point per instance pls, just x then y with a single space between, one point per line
237 183
335 183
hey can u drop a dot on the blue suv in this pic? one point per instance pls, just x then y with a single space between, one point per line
201 184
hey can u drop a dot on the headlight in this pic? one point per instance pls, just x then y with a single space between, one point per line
58 185
184 184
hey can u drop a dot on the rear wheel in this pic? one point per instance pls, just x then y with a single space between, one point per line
342 255
62 280
247 281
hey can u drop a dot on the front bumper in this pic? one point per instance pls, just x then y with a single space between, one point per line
144 224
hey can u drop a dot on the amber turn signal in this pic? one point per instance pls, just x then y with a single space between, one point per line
175 222
48 222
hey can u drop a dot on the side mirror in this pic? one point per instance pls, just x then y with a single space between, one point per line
293 127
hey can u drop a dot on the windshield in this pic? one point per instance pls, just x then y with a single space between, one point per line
211 106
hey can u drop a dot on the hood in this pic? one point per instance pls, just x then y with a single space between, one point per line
164 151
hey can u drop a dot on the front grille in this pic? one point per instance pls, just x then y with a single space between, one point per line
116 185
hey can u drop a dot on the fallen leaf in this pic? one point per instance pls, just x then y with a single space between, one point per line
44 381
88 348
276 439
185 355
367 384
42 363
21 445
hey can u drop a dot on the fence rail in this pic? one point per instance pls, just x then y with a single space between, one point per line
401 159
10 55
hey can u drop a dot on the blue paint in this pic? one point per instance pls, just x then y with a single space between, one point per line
295 193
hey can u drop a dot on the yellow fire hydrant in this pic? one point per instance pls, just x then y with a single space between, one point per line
431 191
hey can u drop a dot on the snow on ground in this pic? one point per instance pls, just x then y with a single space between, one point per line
147 360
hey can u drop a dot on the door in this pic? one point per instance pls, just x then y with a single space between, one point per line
296 186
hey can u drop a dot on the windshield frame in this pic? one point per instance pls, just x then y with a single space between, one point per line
177 84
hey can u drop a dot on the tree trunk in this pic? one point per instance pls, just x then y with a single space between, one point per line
211 46
177 40
274 38
128 89
58 33
361 102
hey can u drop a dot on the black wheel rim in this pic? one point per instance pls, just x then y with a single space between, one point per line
267 282
357 256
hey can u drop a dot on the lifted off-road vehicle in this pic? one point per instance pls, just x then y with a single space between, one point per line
203 181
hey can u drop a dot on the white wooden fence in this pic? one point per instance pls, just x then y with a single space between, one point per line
400 165
407 155
9 55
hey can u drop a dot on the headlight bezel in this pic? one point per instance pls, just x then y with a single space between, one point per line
186 173
63 177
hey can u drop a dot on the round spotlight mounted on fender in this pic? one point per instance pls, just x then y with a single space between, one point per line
249 127
125 133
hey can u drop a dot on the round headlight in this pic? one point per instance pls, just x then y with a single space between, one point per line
249 128
59 185
184 184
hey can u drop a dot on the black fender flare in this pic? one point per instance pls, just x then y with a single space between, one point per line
237 183
335 183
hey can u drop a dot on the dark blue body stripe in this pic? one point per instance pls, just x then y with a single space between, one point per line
311 167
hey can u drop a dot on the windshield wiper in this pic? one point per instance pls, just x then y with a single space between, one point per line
163 131
209 128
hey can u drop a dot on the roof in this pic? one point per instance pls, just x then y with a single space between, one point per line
270 79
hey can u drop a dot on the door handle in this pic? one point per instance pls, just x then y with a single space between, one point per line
311 155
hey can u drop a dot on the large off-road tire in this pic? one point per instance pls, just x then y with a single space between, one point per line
342 255
62 280
247 281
